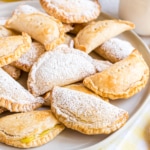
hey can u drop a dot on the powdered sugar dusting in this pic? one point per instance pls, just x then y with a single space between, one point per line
73 9
32 55
83 109
101 65
14 92
117 48
61 66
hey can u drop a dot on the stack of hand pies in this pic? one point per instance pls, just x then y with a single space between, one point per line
53 47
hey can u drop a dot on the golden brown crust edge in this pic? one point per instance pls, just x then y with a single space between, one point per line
90 83
4 60
63 16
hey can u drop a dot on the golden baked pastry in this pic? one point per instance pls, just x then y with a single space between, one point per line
6 32
101 65
62 66
86 113
76 86
121 80
114 49
26 61
41 27
30 129
98 32
12 71
12 47
72 11
15 97
81 88
2 109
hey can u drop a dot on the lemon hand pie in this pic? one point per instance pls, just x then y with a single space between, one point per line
86 113
30 129
72 11
15 97
62 66
98 32
41 27
121 80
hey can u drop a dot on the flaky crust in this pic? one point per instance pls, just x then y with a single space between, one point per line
30 129
121 80
10 97
41 27
62 66
26 61
13 47
72 11
98 32
86 113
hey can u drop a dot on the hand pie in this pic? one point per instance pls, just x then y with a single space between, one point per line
12 71
30 129
61 67
13 47
114 49
41 27
86 113
121 80
15 97
72 11
76 86
96 33
26 61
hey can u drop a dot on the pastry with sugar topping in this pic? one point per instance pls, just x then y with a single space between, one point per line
26 61
15 97
86 113
115 49
61 66
72 11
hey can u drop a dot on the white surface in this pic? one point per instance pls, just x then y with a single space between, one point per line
129 10
71 140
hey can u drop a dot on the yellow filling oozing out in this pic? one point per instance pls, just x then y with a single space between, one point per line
32 137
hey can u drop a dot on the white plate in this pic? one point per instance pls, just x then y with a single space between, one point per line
72 140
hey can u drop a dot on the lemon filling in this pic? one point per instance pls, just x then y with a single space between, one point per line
33 137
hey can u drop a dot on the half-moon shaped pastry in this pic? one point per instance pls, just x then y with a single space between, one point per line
72 11
41 27
98 32
13 47
76 86
114 49
26 61
121 80
15 97
30 129
86 113
62 66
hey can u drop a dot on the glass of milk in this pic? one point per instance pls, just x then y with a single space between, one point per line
137 11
